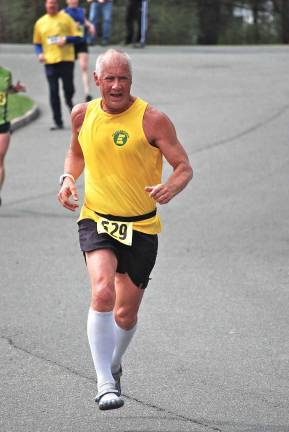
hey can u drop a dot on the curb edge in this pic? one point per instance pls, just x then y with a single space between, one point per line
31 115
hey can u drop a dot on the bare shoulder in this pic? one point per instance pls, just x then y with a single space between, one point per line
77 116
155 116
156 124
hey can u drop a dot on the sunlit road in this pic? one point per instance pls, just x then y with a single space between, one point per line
212 348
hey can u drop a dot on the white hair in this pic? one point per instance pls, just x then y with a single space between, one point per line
109 53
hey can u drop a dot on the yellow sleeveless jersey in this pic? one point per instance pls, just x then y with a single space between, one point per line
119 163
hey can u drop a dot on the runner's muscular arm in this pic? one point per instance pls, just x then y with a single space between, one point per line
161 133
74 162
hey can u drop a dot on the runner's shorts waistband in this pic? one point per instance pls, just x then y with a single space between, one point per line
128 218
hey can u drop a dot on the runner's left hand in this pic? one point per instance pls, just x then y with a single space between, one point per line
160 193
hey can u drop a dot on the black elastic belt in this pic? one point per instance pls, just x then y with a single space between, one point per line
128 218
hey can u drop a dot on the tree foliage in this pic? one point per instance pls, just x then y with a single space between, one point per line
170 21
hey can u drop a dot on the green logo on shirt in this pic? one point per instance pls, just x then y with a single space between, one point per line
120 137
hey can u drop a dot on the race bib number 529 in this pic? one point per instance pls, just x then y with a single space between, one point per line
120 231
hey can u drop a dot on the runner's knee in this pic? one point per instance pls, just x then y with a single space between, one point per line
103 295
125 317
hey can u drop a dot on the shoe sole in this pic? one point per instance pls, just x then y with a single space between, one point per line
105 406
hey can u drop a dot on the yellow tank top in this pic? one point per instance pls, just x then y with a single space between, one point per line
119 163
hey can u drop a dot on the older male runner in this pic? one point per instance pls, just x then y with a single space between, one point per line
119 141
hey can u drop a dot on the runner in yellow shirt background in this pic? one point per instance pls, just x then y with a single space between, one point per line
54 36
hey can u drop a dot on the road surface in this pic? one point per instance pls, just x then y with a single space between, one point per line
212 349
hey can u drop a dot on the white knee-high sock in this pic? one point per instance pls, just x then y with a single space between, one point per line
122 341
101 337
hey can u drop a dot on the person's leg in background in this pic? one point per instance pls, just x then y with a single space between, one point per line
66 71
129 21
4 144
138 19
144 22
51 71
94 19
83 61
106 22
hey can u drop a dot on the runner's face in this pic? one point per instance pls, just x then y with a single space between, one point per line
114 83
51 7
72 3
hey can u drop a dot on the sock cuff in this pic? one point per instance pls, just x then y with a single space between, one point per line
95 312
132 330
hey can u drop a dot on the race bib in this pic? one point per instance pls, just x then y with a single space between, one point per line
52 40
120 231
2 98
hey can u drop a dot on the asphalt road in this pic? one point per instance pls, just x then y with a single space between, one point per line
212 348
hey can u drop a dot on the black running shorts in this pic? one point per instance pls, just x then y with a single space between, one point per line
80 48
5 127
136 260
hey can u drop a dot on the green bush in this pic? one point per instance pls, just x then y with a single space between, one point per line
242 33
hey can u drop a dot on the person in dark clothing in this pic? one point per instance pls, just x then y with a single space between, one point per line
81 49
53 37
133 21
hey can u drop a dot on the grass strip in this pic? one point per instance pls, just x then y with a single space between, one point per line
18 105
